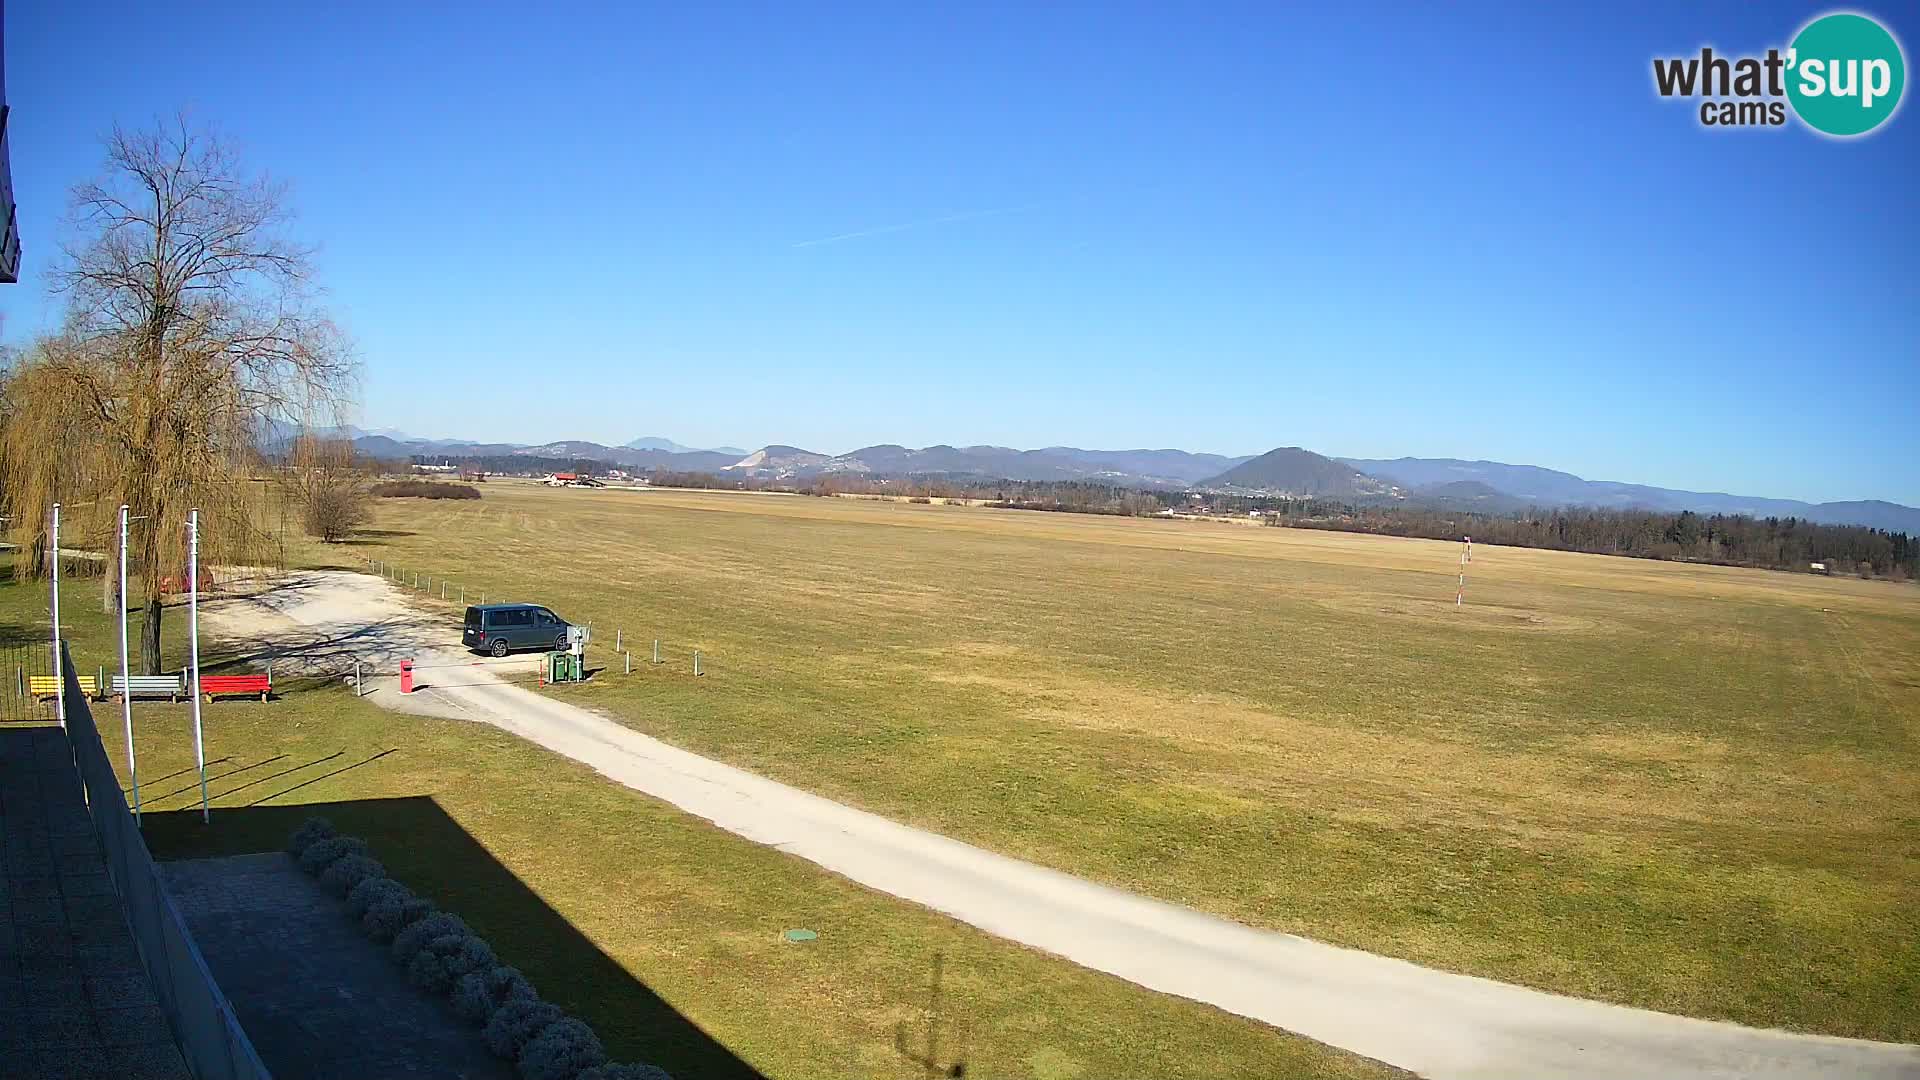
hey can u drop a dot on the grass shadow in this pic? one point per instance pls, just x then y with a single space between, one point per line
431 853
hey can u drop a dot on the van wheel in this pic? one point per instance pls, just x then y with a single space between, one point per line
560 645
500 647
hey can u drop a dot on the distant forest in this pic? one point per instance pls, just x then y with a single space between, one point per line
1723 539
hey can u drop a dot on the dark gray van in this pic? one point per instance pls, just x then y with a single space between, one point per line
501 628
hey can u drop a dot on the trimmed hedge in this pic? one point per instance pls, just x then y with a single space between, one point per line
516 1023
445 959
443 956
391 913
478 993
340 876
324 853
626 1072
313 830
408 943
374 890
561 1051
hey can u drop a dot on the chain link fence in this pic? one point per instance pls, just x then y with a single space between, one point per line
202 1019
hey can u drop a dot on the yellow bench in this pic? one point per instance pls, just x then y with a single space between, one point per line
46 686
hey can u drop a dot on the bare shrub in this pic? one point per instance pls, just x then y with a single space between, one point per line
424 489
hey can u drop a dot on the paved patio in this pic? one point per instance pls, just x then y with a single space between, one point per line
316 996
74 1001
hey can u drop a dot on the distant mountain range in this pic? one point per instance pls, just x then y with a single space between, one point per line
655 442
1482 486
1535 486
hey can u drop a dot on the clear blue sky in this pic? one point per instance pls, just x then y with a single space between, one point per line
1370 231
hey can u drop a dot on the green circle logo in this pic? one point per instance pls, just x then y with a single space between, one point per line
1845 74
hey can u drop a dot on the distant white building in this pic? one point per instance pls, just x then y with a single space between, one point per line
1817 567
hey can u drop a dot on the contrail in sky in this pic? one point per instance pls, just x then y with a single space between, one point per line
921 224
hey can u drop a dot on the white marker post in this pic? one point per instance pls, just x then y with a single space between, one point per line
59 678
1466 556
193 632
126 681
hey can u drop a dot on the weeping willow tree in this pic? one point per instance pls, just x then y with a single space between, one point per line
190 337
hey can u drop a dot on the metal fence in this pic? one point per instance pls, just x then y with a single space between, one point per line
202 1018
24 667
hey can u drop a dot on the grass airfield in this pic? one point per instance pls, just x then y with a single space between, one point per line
1689 788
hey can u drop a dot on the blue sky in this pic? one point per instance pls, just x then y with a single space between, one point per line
1370 231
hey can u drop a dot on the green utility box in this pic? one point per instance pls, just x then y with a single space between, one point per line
563 667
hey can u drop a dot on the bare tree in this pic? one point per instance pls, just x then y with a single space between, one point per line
327 482
190 333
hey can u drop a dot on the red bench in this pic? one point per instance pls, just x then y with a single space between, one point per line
235 684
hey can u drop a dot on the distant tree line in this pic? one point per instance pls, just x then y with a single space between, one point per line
1733 540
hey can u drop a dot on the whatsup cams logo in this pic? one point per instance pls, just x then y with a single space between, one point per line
1843 75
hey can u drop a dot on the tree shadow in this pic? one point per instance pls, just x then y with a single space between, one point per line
428 851
362 537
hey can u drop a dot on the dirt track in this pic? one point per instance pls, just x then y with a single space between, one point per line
1434 1023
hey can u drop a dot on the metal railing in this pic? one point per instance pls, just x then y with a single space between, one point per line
202 1018
23 665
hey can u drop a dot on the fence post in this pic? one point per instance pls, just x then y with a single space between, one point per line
629 657
696 663
656 650
463 596
616 639
356 680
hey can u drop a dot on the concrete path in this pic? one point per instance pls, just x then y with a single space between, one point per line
1431 1022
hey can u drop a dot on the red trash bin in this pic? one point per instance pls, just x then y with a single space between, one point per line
406 676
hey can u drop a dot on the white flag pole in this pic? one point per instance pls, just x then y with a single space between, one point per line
59 677
193 632
126 681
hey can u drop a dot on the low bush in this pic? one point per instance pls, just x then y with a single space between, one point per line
478 993
372 890
388 914
561 1051
444 959
626 1072
344 873
408 943
515 1024
324 853
424 489
442 955
313 830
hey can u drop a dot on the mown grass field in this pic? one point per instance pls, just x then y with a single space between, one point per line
662 931
1695 789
